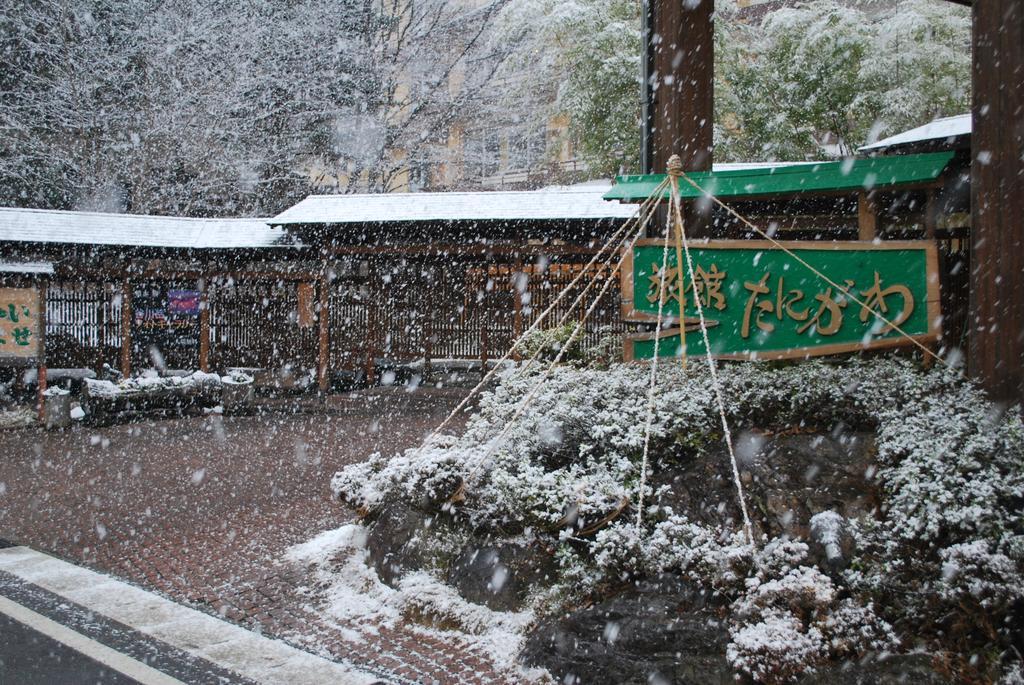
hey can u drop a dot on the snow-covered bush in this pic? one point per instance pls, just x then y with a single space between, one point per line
776 648
432 473
940 564
548 343
237 377
606 350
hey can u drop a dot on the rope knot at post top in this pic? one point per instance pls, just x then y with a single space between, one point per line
675 166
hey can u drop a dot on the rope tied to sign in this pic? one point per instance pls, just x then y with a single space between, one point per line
682 247
527 400
620 242
675 170
654 381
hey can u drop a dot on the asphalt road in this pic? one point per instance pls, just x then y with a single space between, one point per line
28 656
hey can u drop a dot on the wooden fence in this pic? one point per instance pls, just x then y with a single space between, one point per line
398 310
431 309
258 324
83 324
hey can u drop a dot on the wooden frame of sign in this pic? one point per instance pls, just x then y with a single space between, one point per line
631 314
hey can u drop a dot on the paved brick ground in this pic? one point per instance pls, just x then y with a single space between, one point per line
201 509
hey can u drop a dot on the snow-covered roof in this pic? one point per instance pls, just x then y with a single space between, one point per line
556 203
946 128
26 267
135 230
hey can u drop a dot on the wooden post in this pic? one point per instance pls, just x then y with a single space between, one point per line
931 220
428 325
371 341
996 339
867 218
484 340
41 370
204 330
325 333
679 94
674 168
517 305
679 112
931 214
126 327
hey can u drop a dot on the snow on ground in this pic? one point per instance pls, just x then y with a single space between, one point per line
17 418
151 382
350 595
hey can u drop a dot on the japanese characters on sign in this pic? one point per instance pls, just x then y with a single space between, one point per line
759 302
19 324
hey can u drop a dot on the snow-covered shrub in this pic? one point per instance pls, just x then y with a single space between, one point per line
972 574
565 471
787 625
427 475
548 343
607 350
776 648
237 377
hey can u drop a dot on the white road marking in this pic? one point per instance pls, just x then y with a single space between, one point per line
84 645
229 646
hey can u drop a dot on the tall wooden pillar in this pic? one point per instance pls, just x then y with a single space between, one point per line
41 362
996 339
324 338
126 327
679 96
517 303
204 328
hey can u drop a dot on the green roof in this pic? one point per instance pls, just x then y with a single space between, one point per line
818 177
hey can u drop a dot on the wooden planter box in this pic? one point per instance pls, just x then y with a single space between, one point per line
104 407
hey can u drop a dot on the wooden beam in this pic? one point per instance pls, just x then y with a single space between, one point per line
370 343
484 344
679 96
503 249
517 303
77 271
996 337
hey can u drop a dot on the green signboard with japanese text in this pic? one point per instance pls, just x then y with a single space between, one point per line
19 326
761 303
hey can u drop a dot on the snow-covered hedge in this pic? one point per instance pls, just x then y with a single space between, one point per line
940 565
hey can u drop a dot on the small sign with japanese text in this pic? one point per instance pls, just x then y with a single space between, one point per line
761 303
19 325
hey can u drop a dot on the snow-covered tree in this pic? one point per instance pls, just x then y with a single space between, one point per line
192 107
817 79
581 58
825 77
